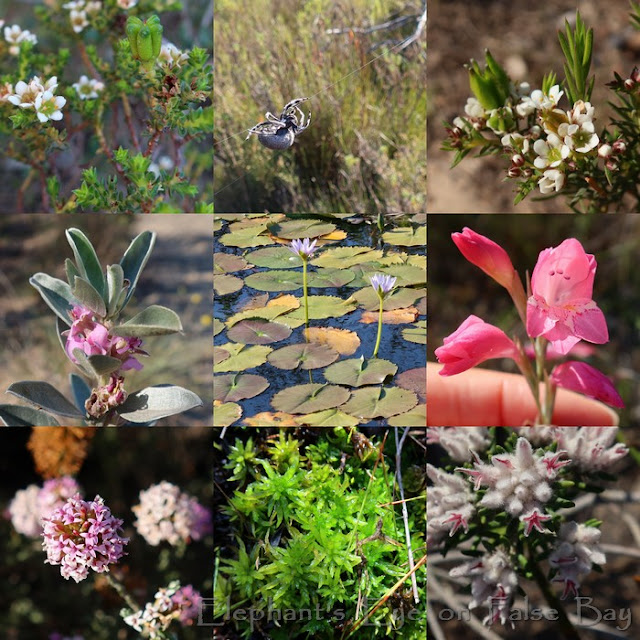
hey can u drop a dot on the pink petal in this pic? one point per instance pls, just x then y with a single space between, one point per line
585 379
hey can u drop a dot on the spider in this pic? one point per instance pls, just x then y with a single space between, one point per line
280 133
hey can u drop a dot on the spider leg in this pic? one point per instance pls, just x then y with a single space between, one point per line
269 116
258 128
292 104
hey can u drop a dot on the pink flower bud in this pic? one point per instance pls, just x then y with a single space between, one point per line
585 379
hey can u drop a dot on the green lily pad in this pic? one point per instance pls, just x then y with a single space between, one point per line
417 417
219 355
246 238
305 356
238 386
242 357
277 280
356 372
266 313
218 326
328 418
275 258
378 402
399 299
406 274
228 263
321 307
419 218
414 380
345 257
292 229
330 277
224 284
217 225
224 415
421 306
406 237
419 261
258 332
417 333
309 398
362 273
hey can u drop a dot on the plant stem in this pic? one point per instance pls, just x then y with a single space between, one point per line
306 302
122 592
375 351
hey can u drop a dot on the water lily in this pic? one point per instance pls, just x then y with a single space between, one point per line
383 285
303 248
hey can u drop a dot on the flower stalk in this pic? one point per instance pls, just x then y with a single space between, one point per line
383 286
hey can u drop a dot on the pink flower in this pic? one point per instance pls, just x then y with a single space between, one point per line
487 255
561 308
473 342
585 379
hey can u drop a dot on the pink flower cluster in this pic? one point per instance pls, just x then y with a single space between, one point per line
93 338
171 603
559 309
106 397
166 513
82 535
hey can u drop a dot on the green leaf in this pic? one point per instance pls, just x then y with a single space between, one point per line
417 333
115 283
377 402
242 357
416 417
159 401
226 414
309 398
305 356
278 280
96 365
407 237
274 258
238 386
321 307
218 326
16 416
86 259
56 293
80 390
345 257
357 372
224 284
228 263
291 229
44 396
328 418
135 258
153 321
89 297
71 270
258 332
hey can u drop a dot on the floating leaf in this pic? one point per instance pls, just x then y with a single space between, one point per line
224 285
217 225
343 341
377 402
275 258
417 417
406 274
421 306
417 333
219 355
258 332
44 396
399 299
270 419
13 415
419 261
407 236
238 386
345 257
331 278
159 401
228 263
362 274
218 326
305 356
248 237
356 372
224 415
291 229
321 307
397 316
273 309
278 280
414 380
333 236
328 418
419 218
308 398
242 357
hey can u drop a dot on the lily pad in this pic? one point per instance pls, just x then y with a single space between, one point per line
291 229
266 313
238 386
414 380
399 299
343 341
242 357
228 263
309 398
218 326
304 356
219 355
397 316
258 332
331 278
277 280
321 307
249 237
421 306
357 372
417 333
417 417
345 257
406 274
406 237
328 418
378 402
224 415
270 419
224 285
275 258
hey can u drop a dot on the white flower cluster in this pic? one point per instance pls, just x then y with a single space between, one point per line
170 56
166 513
88 89
39 96
459 442
127 4
79 10
591 448
14 35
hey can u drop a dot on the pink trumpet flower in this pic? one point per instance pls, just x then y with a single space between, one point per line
585 379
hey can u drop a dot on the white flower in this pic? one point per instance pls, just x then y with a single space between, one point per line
14 35
516 141
78 20
25 94
25 511
579 132
551 152
459 442
93 7
6 91
552 180
473 108
543 101
127 4
170 56
605 150
591 448
88 89
74 6
48 106
165 163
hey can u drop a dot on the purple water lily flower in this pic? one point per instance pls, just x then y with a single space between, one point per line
303 248
382 284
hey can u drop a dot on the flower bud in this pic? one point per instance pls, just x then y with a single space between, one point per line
145 38
619 146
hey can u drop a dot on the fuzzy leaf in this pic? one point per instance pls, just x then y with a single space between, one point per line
18 416
80 389
89 297
159 401
115 283
86 259
56 293
96 365
44 396
135 258
153 321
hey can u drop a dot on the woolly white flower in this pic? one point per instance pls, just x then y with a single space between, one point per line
170 56
591 448
459 442
24 511
78 20
127 4
493 583
552 180
48 106
14 35
88 89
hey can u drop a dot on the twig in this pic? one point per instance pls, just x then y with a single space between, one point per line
405 514
152 143
128 116
87 61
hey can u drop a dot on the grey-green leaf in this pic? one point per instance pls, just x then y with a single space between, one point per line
71 269
14 415
135 258
159 401
45 396
86 259
80 389
89 297
56 293
96 365
115 283
153 321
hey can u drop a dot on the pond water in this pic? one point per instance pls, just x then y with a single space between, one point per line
394 346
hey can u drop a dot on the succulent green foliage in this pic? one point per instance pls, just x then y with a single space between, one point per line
491 85
145 38
577 47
